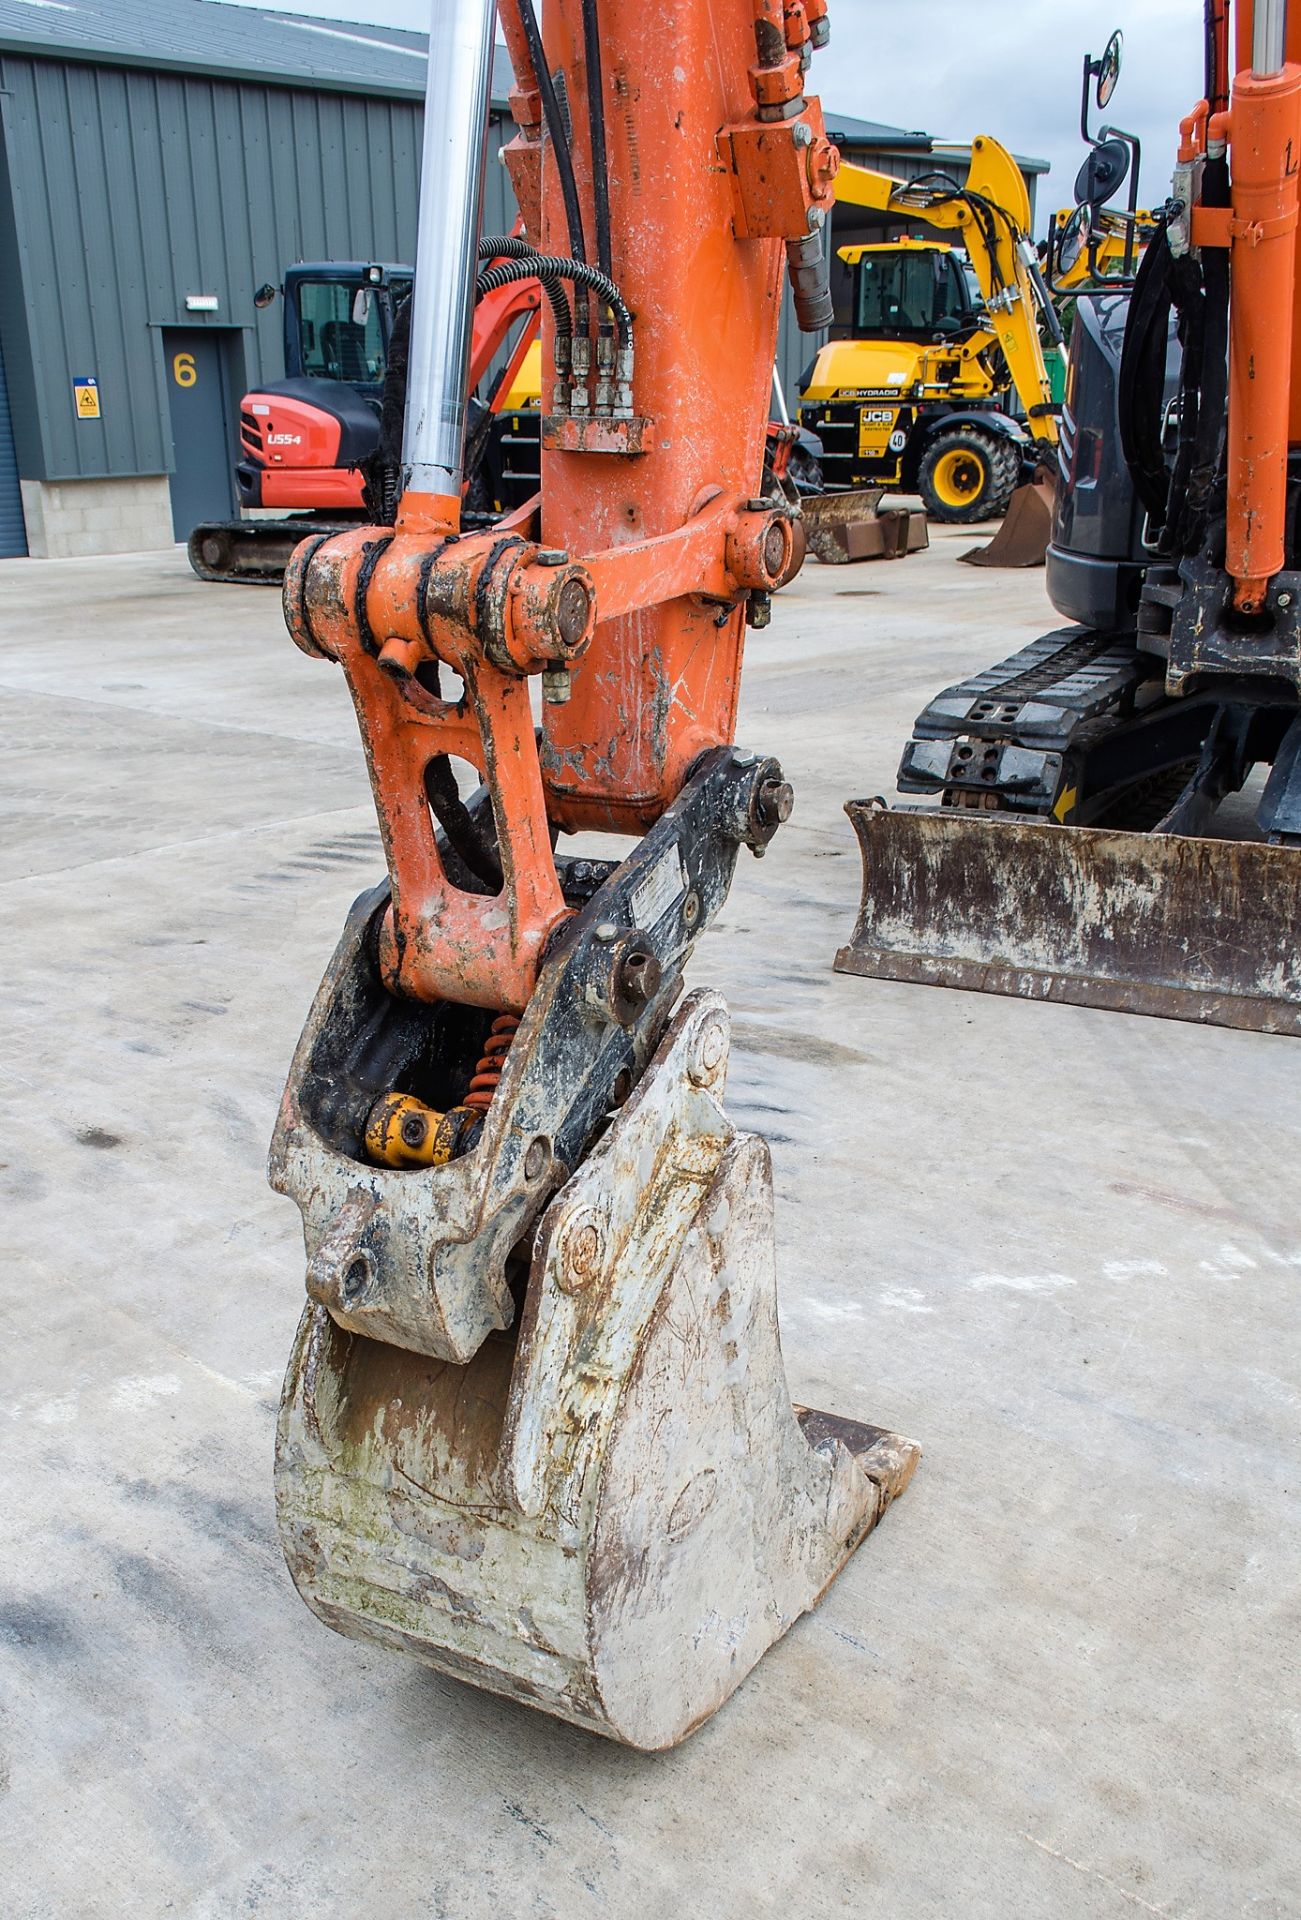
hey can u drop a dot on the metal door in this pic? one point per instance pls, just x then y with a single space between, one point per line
203 442
13 528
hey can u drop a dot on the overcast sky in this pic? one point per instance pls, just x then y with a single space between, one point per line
955 68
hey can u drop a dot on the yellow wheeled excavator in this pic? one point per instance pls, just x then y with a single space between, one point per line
915 399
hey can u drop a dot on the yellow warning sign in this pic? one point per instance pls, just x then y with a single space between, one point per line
85 395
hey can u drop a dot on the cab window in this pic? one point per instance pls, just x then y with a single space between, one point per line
341 332
910 296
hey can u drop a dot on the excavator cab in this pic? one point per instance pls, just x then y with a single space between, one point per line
910 290
339 320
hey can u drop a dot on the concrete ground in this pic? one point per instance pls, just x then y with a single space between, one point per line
1058 1247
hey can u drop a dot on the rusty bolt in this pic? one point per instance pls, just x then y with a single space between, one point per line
622 1087
709 1053
774 548
637 976
581 1257
537 1159
775 802
557 685
691 909
758 610
413 1130
573 610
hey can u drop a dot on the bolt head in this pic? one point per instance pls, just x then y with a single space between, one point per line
817 219
551 556
557 685
709 1053
802 134
606 932
581 1251
777 800
537 1159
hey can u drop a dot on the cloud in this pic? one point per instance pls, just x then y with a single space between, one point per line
1012 71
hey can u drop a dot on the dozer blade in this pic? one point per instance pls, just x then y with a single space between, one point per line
612 1509
1022 537
1165 924
841 527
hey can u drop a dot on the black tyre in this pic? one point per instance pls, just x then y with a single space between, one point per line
966 475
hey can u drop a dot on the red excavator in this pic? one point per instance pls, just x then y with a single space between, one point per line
303 439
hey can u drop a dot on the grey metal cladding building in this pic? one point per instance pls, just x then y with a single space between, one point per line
161 153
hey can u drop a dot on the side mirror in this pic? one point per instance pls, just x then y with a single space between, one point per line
265 295
1108 70
361 306
1103 174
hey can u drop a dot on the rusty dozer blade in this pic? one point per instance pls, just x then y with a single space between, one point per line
853 525
1164 924
1022 537
612 1509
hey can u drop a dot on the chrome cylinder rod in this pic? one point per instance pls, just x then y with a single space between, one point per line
1268 36
447 235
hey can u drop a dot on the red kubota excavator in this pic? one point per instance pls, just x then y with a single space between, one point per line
1098 837
306 440
535 1429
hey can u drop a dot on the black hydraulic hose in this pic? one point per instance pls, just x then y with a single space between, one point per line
1212 411
1141 386
559 146
596 122
1187 293
512 247
584 277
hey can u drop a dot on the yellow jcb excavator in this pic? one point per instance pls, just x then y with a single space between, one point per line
916 399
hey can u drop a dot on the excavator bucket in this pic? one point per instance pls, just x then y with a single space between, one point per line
840 527
611 1509
1166 924
1022 537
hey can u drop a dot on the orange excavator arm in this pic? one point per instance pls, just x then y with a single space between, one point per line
536 1428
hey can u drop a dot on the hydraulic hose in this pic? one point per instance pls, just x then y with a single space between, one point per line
1142 375
511 247
596 121
559 146
553 266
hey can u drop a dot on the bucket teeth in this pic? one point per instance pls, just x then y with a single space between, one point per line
612 1510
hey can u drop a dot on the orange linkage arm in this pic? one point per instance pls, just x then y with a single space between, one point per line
650 545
